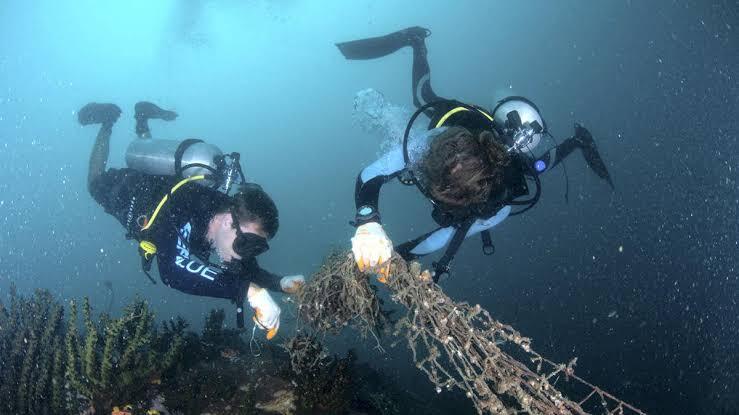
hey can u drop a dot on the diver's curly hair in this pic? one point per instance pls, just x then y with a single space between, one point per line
464 169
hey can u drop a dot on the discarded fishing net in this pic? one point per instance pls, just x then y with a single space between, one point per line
338 296
453 343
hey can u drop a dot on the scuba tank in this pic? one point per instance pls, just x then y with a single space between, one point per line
520 121
183 159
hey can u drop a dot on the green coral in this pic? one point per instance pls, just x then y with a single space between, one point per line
86 363
47 367
118 359
29 333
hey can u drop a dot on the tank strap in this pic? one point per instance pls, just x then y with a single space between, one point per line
180 152
455 110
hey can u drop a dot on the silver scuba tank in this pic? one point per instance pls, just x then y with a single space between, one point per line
160 157
524 136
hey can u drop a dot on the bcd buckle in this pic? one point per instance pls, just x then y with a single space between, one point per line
406 177
147 250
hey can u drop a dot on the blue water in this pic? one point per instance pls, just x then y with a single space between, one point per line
640 284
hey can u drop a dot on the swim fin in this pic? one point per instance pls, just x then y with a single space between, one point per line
95 113
144 111
376 47
590 152
148 110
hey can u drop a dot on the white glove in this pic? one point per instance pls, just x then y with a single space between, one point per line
266 310
371 246
292 283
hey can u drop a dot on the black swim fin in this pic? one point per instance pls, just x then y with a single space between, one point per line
590 152
376 47
148 110
95 113
144 111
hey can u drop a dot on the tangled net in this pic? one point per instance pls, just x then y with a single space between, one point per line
338 296
453 343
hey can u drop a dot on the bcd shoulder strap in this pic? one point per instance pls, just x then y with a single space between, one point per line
442 265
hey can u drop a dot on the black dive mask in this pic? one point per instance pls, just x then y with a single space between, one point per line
247 245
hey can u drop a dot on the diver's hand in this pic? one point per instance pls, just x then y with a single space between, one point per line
371 246
266 310
291 284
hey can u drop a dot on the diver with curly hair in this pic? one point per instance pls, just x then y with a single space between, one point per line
475 166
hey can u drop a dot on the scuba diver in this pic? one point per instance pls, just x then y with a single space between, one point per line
473 165
174 200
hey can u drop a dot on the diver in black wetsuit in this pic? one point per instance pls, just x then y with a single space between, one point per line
181 222
473 165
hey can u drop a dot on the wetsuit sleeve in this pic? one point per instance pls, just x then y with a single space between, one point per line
263 278
369 182
187 273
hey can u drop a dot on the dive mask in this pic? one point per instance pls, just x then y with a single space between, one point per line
247 245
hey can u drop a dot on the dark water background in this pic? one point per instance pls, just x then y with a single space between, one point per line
640 284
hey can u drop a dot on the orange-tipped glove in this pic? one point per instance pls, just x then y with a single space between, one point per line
372 247
266 310
291 284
